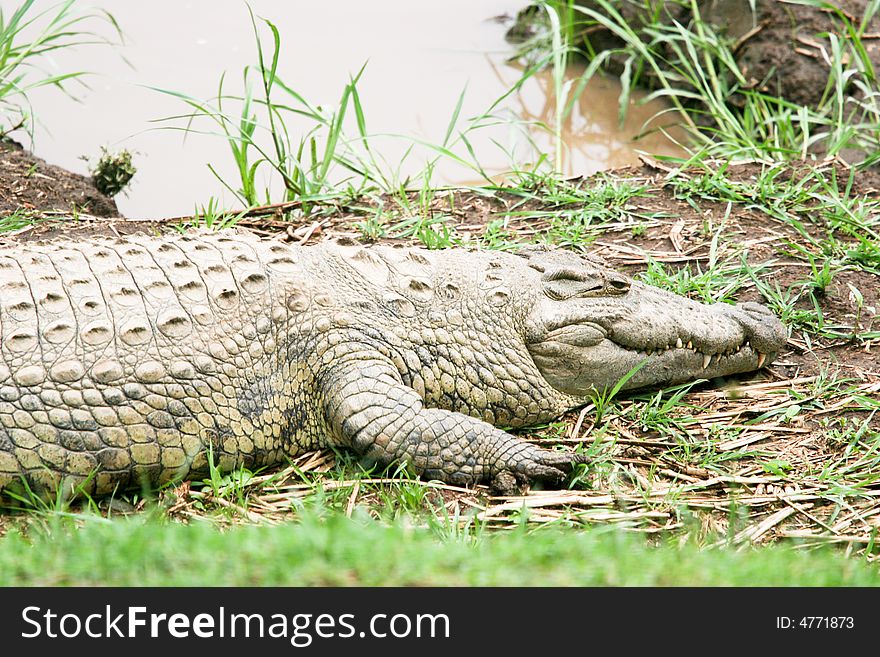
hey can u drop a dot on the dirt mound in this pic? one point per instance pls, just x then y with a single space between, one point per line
788 51
781 48
30 184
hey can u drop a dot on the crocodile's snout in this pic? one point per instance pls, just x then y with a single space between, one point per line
592 343
763 330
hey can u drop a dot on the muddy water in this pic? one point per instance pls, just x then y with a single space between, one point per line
419 54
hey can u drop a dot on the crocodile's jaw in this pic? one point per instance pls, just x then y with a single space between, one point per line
604 365
655 337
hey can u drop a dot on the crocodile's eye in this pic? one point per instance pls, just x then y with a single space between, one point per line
561 283
617 283
567 283
567 288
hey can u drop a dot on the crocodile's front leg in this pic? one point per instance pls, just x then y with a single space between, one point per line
371 410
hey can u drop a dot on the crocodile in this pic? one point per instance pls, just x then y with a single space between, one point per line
136 361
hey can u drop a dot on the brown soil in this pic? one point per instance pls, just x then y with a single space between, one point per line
785 55
29 184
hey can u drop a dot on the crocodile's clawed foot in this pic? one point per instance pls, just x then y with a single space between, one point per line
535 465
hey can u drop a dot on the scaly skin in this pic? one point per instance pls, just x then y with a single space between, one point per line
124 362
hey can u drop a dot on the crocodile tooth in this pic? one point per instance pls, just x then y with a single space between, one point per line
690 344
706 360
679 344
762 357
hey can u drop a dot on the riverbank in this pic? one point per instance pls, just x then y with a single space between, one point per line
792 447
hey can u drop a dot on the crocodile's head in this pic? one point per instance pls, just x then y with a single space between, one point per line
592 325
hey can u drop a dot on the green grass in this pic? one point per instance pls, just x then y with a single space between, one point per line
257 133
335 550
113 172
309 153
691 64
17 220
211 216
28 35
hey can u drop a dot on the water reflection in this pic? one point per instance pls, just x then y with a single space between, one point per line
592 135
